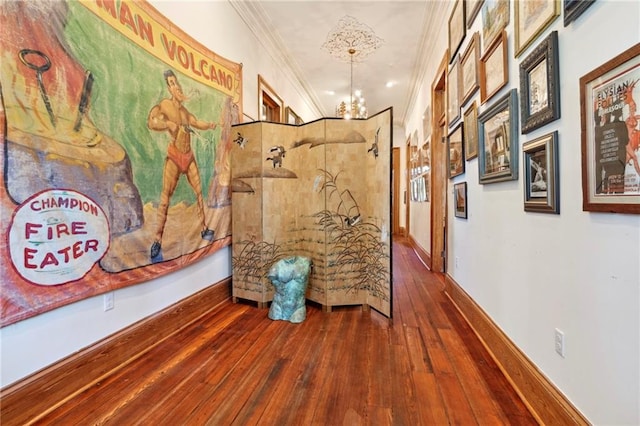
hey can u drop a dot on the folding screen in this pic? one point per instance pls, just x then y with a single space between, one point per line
321 190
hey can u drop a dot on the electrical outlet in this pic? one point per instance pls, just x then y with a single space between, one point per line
457 262
559 342
108 301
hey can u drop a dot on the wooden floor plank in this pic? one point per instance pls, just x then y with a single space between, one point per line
350 366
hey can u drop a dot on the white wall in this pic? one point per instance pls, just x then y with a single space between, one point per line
37 342
577 271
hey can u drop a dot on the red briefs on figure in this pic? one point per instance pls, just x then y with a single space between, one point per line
181 159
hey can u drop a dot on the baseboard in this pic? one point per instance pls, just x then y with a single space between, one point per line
420 252
546 403
30 398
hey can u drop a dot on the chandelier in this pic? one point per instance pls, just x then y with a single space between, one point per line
357 107
352 42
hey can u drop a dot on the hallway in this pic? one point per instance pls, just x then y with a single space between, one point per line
347 367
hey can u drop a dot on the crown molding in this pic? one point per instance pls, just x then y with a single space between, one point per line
256 19
426 55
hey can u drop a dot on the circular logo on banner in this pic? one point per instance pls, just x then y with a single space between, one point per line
56 237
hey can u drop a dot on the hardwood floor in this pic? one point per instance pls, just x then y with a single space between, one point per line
347 367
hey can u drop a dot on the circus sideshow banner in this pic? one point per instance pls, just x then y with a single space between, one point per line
116 135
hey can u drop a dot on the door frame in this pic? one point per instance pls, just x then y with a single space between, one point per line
439 170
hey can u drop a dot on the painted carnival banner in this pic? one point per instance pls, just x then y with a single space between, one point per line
116 135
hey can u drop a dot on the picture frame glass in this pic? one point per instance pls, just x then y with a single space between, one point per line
469 69
537 174
538 88
456 152
498 140
497 151
471 132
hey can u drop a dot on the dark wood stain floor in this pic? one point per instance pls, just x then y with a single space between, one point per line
347 367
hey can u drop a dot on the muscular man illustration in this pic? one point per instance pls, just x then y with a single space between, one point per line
631 122
171 116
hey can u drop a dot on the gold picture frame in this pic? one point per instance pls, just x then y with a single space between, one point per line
455 151
469 74
471 131
453 93
292 117
531 19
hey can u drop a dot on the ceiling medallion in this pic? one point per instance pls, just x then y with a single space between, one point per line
351 41
350 35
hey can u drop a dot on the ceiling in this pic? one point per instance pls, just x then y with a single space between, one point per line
294 32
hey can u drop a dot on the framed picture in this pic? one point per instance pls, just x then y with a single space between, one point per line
471 132
541 188
609 96
453 94
292 117
495 17
460 199
532 17
498 140
456 152
469 75
426 123
540 85
457 28
494 73
473 7
574 8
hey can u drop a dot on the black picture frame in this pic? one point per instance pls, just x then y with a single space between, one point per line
540 85
540 170
574 8
498 140
457 28
460 200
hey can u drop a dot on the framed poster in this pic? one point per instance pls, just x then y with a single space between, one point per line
541 188
494 73
498 140
532 17
453 94
574 8
460 199
495 17
540 85
471 131
456 152
457 28
469 75
609 96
